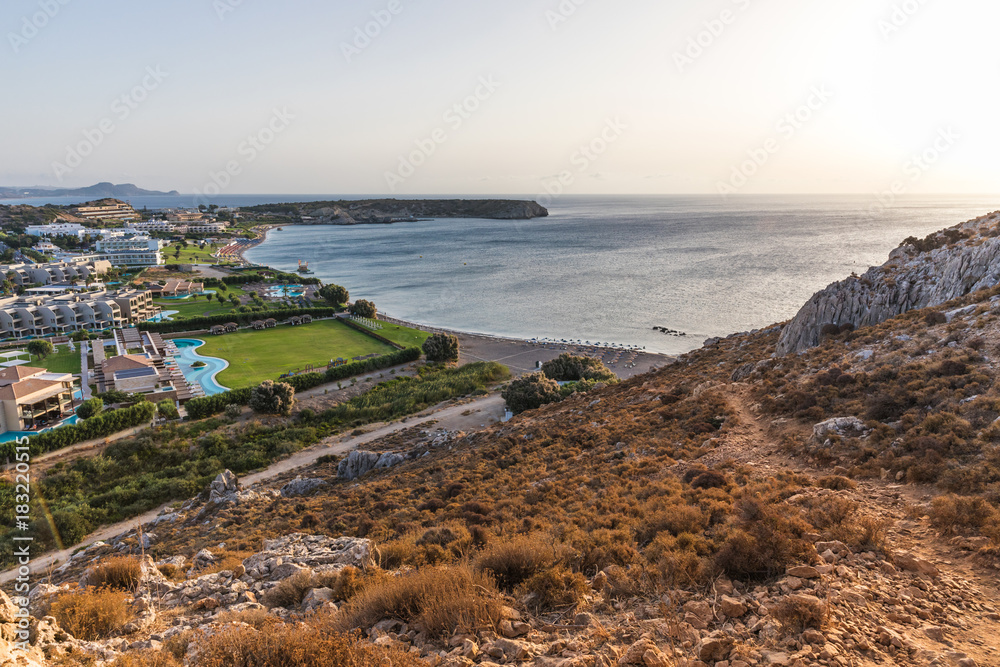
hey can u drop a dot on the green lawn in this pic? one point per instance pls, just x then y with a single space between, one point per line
255 356
63 361
199 307
403 335
191 254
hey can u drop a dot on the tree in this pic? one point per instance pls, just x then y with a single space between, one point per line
530 391
363 308
40 348
441 347
570 368
335 295
220 299
168 409
272 398
89 408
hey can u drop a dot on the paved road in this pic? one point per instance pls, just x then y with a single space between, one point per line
451 418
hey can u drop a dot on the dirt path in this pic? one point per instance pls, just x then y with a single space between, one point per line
974 632
456 417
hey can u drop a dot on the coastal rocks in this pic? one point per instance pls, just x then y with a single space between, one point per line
316 552
301 486
359 463
966 259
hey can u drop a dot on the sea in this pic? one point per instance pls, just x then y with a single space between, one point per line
609 269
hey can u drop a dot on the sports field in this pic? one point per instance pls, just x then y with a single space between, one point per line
255 356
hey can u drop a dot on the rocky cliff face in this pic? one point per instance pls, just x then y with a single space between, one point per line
919 274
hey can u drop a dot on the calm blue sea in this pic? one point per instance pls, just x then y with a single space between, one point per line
604 268
609 269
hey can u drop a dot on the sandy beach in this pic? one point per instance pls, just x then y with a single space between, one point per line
523 356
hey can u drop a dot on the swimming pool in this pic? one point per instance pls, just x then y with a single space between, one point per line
277 291
165 316
10 436
205 376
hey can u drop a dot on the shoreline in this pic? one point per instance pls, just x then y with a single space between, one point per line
510 350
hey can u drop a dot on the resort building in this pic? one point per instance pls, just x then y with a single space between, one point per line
131 251
111 212
207 228
141 362
33 398
56 272
61 229
29 316
175 288
146 226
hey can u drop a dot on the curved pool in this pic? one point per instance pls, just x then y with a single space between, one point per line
205 376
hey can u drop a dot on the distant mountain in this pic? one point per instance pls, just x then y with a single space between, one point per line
384 211
99 191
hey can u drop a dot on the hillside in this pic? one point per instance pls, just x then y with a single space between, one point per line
381 211
834 507
99 191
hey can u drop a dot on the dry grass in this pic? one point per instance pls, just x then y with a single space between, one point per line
121 573
514 561
303 645
440 600
148 658
93 614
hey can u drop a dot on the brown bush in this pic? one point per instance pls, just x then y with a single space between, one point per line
93 614
121 573
440 600
289 592
556 587
797 614
836 483
150 658
953 514
295 646
761 541
513 562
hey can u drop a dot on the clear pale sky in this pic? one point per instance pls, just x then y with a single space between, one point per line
887 79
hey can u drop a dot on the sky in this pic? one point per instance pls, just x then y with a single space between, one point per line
539 97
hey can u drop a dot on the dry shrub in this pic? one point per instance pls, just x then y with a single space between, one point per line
680 561
440 600
797 615
295 646
836 483
556 587
149 658
120 573
513 562
953 514
93 614
226 561
675 519
761 542
344 583
289 592
255 618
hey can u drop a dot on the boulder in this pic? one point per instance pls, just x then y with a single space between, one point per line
359 463
316 552
224 485
301 487
844 427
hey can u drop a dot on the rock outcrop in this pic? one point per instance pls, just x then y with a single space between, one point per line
919 274
359 463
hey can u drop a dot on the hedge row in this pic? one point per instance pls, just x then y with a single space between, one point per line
365 330
197 323
310 380
104 424
206 406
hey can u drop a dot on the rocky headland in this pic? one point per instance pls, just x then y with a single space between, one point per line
386 211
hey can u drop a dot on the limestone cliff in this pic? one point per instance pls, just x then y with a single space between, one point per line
920 273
